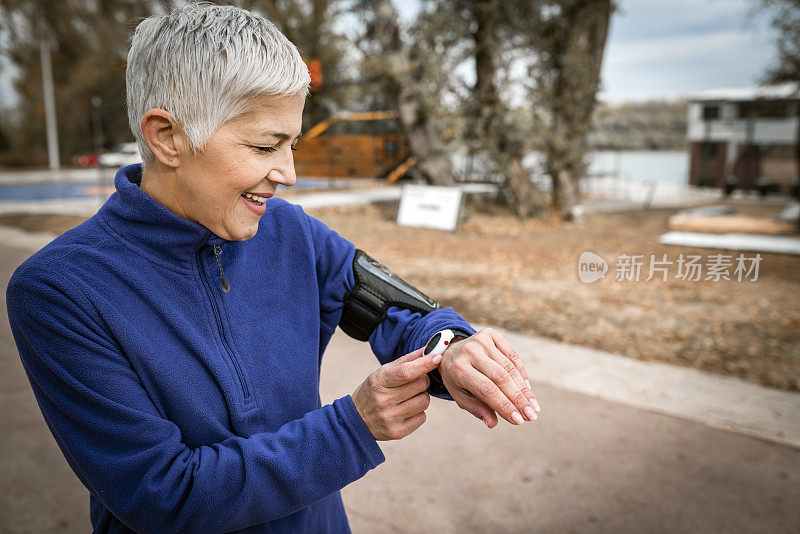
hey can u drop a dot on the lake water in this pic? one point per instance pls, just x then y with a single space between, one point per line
663 166
639 176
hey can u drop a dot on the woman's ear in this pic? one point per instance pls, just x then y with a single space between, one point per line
162 134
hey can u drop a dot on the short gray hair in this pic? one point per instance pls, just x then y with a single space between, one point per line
202 63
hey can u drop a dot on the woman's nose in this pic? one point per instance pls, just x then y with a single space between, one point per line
283 172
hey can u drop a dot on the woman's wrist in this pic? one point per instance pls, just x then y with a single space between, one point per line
435 376
453 341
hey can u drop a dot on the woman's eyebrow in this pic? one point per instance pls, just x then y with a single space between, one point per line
281 135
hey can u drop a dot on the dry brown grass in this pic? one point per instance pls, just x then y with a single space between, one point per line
523 276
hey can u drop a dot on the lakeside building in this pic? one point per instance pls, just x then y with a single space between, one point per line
744 136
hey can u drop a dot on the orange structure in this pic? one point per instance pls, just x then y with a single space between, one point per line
352 155
315 71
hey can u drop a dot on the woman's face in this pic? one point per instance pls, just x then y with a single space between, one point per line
252 153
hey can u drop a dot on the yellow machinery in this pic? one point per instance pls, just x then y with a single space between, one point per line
353 155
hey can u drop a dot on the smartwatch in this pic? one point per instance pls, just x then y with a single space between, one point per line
437 344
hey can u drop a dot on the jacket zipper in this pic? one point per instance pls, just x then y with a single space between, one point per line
225 285
217 316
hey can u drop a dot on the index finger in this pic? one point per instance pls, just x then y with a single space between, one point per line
413 355
401 372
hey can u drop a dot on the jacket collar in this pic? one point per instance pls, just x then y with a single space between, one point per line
142 222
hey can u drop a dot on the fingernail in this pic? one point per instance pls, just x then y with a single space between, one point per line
487 423
528 383
530 413
437 359
536 405
517 418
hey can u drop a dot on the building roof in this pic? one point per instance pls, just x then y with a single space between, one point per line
771 92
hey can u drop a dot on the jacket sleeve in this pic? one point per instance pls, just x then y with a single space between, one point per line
402 331
133 459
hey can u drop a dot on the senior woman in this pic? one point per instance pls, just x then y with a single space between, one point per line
173 340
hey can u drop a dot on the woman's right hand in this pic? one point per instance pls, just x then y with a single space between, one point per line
393 398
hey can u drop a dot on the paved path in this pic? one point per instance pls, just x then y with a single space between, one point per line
88 206
620 446
587 465
42 176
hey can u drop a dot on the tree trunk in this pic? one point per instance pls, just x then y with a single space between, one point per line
796 181
432 161
524 196
566 194
490 110
578 56
797 141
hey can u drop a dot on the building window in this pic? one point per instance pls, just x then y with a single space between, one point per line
708 151
710 113
764 109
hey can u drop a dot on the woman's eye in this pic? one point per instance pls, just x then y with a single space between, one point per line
269 149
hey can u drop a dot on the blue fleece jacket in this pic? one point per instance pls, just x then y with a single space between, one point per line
183 408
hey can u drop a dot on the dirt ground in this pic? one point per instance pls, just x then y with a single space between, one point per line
523 276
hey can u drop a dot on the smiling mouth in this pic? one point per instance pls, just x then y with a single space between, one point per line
256 199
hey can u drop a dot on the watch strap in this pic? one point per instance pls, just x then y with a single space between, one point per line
436 384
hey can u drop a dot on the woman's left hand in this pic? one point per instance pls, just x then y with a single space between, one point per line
484 374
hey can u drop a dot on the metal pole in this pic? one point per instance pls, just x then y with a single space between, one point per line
49 107
97 127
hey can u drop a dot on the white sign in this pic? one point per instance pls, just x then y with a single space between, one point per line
431 206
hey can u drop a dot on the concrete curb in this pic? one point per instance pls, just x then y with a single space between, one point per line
717 401
345 198
21 240
85 207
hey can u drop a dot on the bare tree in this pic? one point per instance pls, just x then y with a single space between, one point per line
786 68
505 145
408 74
560 43
311 26
572 42
91 40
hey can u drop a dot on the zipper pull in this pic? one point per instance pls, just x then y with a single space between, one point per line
225 285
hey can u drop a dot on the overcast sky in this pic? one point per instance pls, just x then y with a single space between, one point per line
665 48
668 49
672 48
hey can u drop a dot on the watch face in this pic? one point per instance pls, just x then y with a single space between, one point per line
432 344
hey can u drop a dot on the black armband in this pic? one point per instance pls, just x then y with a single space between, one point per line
376 289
